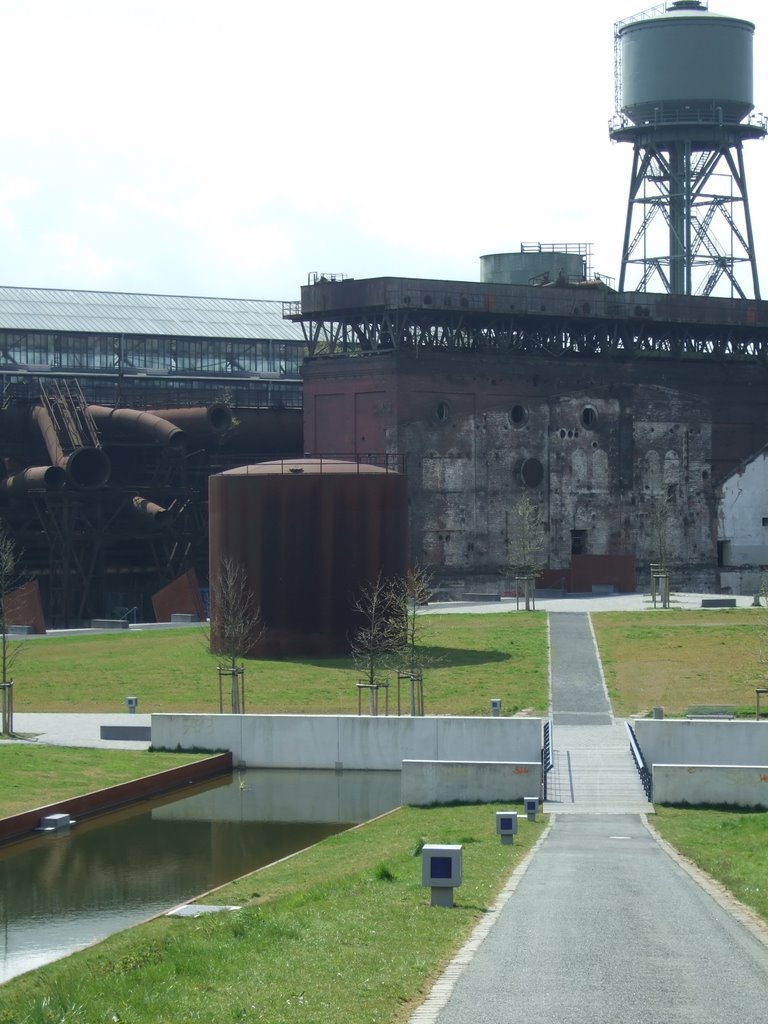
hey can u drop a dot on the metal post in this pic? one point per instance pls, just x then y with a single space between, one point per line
6 713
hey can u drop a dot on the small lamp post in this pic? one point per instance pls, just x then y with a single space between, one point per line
506 826
441 871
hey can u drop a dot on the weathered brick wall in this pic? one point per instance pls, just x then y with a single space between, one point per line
599 444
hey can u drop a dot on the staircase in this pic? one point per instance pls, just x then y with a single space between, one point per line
593 772
66 405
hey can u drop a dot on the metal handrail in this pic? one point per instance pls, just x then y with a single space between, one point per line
547 759
642 767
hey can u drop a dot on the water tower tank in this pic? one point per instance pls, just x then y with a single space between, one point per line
683 81
309 533
686 64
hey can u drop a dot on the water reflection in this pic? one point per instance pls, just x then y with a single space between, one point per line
59 893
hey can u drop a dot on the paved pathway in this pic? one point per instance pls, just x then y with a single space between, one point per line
605 928
76 730
578 691
593 768
601 925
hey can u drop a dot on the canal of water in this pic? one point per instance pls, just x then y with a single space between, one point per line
59 893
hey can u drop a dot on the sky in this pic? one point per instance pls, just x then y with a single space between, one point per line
231 148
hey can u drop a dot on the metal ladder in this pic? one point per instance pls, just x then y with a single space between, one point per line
68 409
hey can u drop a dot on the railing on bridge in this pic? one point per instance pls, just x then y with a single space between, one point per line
547 760
642 767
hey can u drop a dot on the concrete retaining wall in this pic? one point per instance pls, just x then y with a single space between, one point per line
291 795
739 785
435 782
679 741
350 741
101 800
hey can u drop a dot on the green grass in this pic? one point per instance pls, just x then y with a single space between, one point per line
730 845
34 776
326 936
676 659
474 658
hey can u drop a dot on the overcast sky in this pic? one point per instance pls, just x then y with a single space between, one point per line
228 148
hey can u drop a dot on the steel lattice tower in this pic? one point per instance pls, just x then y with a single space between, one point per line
684 101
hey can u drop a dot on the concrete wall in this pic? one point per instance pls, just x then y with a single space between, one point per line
745 580
101 800
741 514
611 446
435 782
350 741
679 741
739 785
290 795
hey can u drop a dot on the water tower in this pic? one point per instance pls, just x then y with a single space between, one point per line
684 101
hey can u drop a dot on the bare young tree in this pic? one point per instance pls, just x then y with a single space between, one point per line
526 543
10 580
411 592
380 632
236 625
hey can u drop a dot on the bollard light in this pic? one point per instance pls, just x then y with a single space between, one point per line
495 706
531 806
506 825
131 703
55 823
441 871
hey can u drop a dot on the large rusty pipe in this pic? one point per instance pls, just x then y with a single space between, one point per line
150 511
211 419
137 424
87 468
35 478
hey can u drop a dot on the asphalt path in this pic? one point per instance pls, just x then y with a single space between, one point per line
578 692
605 927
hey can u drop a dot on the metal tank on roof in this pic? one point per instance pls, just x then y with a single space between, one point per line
534 264
309 533
686 63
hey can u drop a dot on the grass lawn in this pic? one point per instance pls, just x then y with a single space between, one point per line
475 658
340 934
679 658
730 845
34 776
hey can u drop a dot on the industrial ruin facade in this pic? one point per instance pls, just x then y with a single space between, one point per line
620 414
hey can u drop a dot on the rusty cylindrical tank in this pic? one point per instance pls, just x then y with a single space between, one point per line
310 533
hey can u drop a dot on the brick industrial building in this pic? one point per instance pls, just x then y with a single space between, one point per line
608 409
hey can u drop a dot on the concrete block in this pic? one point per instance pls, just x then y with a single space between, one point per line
126 732
55 822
